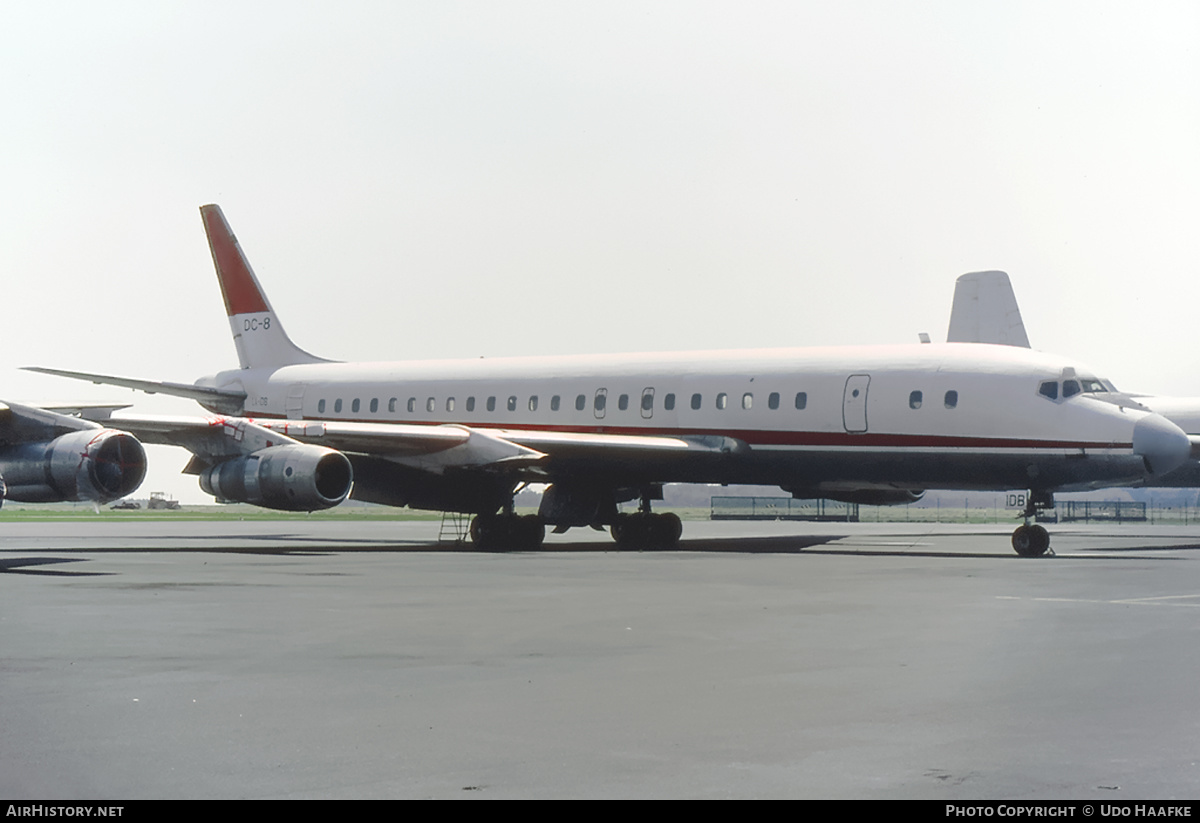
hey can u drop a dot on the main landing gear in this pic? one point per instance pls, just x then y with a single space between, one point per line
646 530
1032 539
506 531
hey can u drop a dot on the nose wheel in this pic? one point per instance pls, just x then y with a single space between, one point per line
1032 539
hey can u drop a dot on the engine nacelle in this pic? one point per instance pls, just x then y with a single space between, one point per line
91 464
294 478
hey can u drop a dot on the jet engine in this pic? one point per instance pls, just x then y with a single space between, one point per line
91 464
294 478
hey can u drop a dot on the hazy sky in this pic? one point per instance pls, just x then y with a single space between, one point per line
446 179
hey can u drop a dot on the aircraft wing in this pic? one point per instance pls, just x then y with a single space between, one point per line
430 448
17 419
87 410
222 399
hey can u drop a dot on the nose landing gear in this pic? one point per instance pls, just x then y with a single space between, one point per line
1032 539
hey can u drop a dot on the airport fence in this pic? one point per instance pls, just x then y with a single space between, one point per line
781 508
934 511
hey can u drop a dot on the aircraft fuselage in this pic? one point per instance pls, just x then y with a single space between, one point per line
820 419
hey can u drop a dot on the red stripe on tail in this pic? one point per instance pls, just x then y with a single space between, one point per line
239 287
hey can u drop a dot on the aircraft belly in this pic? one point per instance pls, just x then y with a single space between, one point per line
995 469
948 469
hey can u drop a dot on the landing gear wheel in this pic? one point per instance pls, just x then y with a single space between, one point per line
1031 541
530 531
507 532
647 531
673 527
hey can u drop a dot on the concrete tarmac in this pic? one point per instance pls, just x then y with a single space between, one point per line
333 659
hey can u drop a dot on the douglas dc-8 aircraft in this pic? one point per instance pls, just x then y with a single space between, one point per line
862 424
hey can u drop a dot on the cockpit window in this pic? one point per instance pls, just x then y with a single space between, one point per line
1073 386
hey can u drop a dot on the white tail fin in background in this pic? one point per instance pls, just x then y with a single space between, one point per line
985 311
259 336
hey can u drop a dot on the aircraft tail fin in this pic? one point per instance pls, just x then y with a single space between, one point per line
985 311
257 333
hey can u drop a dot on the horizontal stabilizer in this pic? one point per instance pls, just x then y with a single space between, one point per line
220 399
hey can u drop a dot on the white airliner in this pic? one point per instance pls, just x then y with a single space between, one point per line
868 424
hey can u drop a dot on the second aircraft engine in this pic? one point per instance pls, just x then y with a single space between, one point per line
295 478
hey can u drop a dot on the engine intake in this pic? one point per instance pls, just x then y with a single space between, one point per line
92 464
294 478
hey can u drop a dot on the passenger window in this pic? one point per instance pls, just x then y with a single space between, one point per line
801 400
533 402
951 399
320 406
747 401
1049 390
669 402
412 405
580 402
696 401
430 404
392 405
1070 388
773 400
450 404
623 402
600 402
648 400
512 402
374 405
722 400
337 406
491 403
471 403
555 401
354 406
915 399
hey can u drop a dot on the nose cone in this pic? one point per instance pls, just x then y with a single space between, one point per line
1163 446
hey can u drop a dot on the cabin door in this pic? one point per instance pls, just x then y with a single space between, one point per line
295 402
854 403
